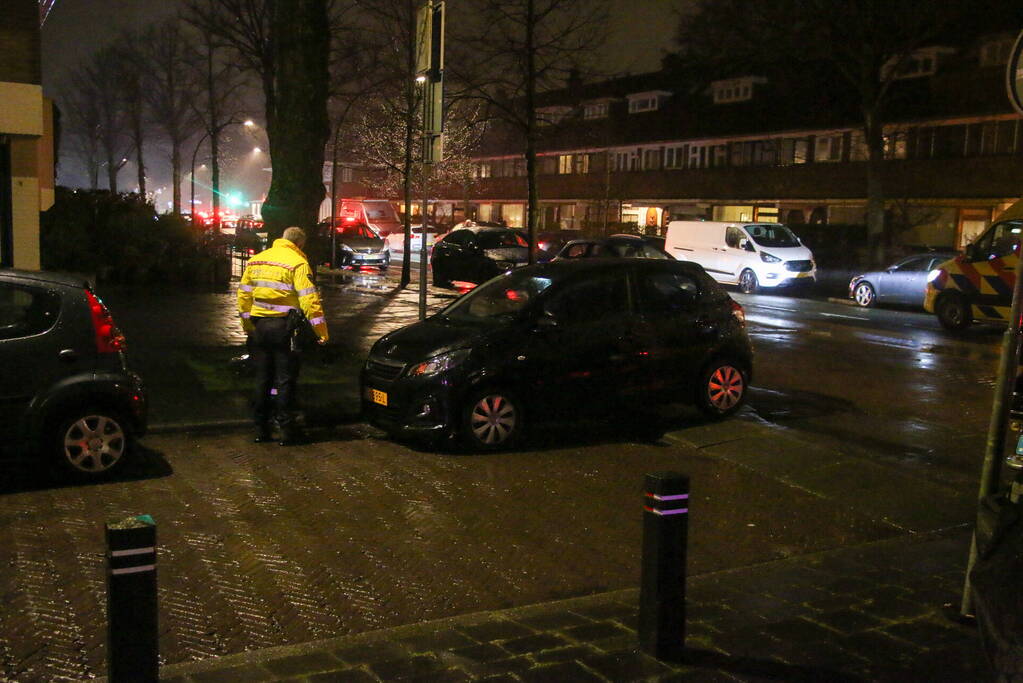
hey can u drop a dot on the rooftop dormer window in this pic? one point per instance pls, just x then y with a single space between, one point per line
550 116
923 62
596 109
995 52
646 101
735 89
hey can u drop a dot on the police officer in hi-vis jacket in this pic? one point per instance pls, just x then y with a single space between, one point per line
276 281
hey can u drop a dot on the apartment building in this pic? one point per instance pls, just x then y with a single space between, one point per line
26 135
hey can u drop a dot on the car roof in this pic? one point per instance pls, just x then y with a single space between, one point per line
602 263
44 277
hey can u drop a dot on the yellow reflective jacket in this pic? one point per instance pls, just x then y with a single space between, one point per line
276 281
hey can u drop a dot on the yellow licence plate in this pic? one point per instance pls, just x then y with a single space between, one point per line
378 396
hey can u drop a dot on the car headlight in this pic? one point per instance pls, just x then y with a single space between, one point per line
347 248
933 275
440 363
767 258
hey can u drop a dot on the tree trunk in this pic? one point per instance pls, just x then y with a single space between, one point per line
875 191
300 126
140 162
532 195
112 169
176 175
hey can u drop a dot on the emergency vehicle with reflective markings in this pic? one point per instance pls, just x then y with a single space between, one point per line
978 285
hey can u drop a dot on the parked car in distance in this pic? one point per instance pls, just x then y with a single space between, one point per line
476 254
66 387
749 255
567 337
904 282
551 241
358 246
396 240
615 246
477 224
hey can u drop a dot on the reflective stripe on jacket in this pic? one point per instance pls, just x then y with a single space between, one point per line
276 281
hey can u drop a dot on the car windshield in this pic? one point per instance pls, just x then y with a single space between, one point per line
362 231
507 295
772 236
499 239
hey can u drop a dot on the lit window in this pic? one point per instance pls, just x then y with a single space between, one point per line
597 110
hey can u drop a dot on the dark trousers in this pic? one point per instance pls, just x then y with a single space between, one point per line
276 367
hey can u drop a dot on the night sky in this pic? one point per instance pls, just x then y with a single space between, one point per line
642 30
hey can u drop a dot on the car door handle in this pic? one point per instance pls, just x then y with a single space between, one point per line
68 355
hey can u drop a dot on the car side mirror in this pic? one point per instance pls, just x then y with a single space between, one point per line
747 245
971 252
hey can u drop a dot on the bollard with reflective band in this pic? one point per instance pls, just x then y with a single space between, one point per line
662 596
132 651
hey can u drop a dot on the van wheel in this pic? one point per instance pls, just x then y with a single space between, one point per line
748 282
953 312
491 420
722 389
92 443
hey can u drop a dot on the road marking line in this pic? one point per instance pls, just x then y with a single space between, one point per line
839 315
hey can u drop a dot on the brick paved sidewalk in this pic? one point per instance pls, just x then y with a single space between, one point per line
876 612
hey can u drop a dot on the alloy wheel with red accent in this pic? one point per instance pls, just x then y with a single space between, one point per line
492 419
722 389
92 443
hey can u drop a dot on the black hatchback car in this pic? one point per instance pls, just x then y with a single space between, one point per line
566 337
476 254
621 246
65 388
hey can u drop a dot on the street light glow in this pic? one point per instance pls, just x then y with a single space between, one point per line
256 150
421 79
249 123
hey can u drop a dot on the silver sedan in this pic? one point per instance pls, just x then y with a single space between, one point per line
903 282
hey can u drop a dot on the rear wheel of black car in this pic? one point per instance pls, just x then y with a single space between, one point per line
953 312
722 389
492 419
92 443
748 282
438 278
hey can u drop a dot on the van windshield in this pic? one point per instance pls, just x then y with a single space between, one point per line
772 236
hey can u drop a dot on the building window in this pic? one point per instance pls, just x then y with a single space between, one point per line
792 151
675 157
895 145
995 52
580 163
347 174
597 110
484 169
565 164
923 62
734 90
651 159
828 148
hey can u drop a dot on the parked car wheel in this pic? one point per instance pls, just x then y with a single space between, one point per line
492 419
92 443
748 282
953 312
864 295
722 389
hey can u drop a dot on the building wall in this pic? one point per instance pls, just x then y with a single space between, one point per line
26 123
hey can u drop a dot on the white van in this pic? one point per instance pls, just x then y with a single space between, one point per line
750 255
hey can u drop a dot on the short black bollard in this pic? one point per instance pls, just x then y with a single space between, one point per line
662 596
132 651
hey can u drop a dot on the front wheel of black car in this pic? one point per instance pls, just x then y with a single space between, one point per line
722 389
92 443
492 419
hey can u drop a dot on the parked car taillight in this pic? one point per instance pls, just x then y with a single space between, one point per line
108 338
739 314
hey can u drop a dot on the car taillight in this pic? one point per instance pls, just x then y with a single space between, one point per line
738 312
108 338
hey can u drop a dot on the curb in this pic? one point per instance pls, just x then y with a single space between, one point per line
207 426
846 302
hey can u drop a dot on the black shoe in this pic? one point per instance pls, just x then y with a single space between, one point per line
292 438
263 435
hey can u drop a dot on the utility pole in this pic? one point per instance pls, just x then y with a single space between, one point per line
430 76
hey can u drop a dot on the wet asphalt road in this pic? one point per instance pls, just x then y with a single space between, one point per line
264 546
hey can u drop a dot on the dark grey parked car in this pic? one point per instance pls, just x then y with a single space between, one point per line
65 389
903 282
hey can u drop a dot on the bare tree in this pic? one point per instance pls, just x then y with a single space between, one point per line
102 74
514 49
169 92
131 74
81 107
219 83
864 42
